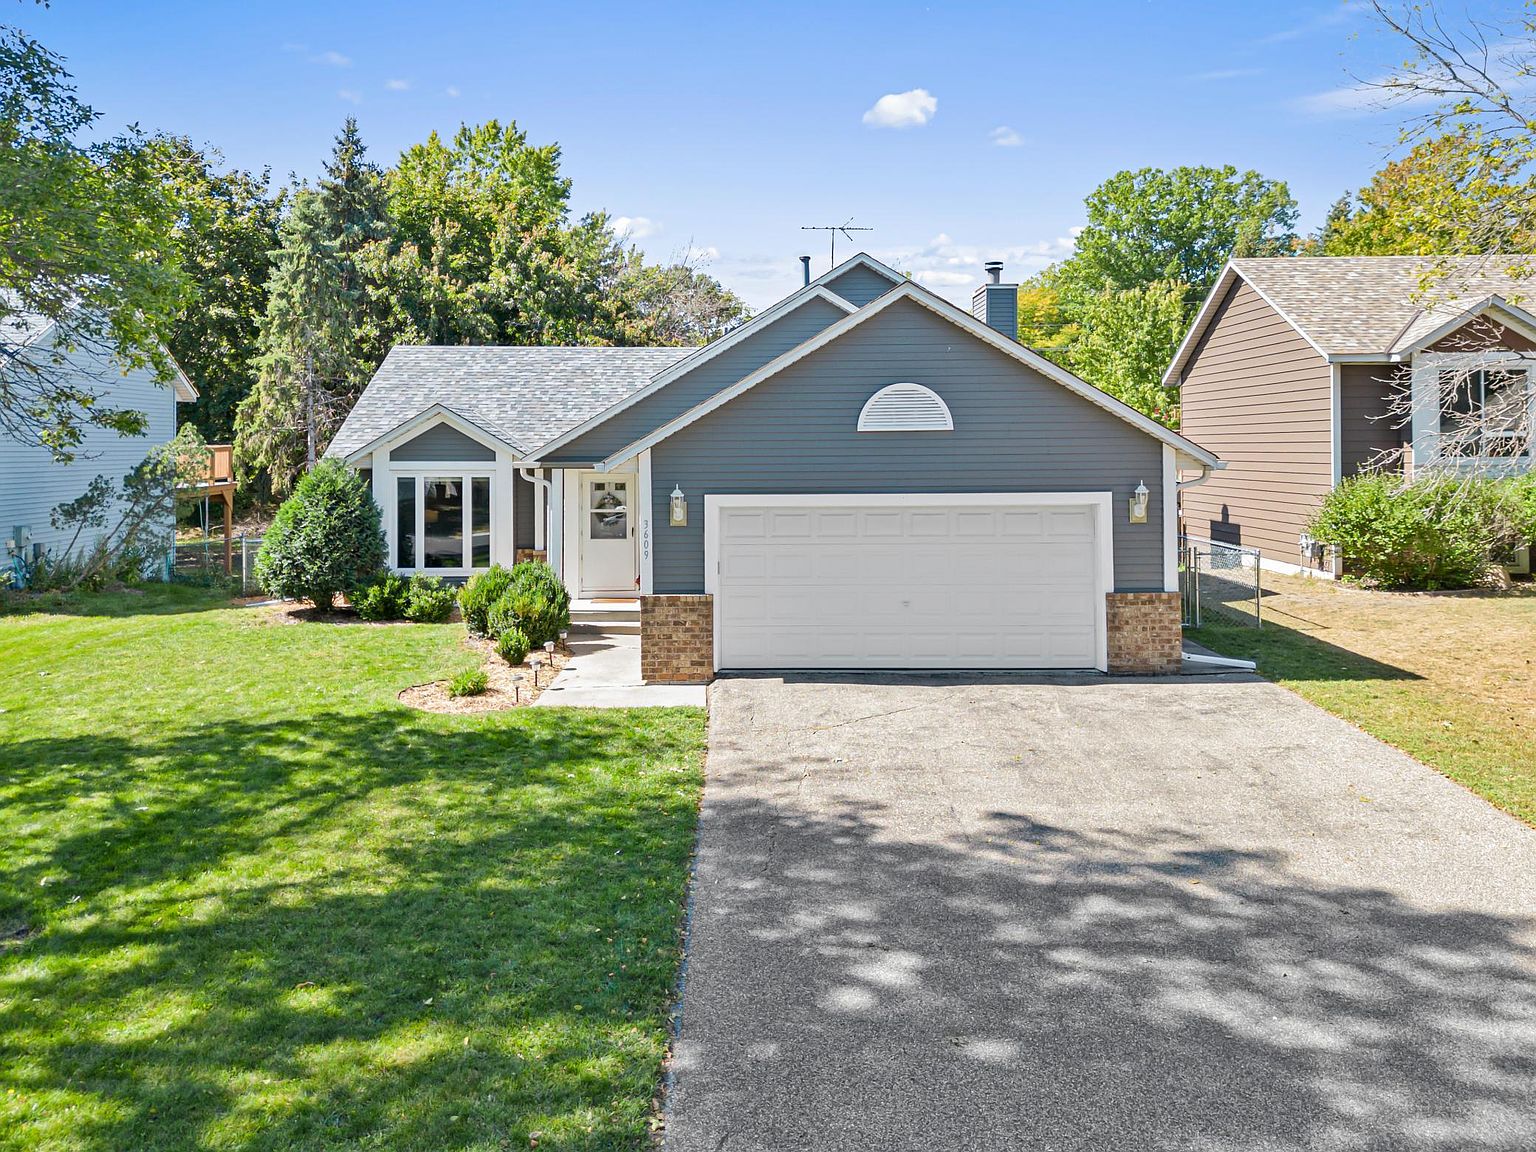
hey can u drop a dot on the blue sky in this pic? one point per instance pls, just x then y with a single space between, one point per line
728 127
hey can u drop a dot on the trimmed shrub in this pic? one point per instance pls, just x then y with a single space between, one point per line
470 682
428 600
535 601
1441 531
384 599
512 646
326 539
478 594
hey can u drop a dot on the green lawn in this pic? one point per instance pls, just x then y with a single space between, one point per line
247 900
1450 679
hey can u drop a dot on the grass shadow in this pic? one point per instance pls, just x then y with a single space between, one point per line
344 930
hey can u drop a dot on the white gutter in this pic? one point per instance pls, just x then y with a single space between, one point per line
540 513
1205 474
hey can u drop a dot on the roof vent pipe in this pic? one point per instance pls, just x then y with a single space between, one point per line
805 267
994 269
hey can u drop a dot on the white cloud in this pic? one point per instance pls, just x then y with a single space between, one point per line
333 58
398 85
451 92
705 255
902 109
634 227
349 95
1005 137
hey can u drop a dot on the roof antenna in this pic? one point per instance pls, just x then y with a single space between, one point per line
847 228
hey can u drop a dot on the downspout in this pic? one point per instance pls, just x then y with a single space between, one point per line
541 516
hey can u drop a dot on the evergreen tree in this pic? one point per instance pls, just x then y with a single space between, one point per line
302 389
357 217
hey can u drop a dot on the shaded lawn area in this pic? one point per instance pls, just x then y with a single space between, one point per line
1450 679
249 901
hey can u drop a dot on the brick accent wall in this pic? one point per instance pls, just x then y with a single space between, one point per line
1144 633
677 639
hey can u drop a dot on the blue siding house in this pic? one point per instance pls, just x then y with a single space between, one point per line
863 476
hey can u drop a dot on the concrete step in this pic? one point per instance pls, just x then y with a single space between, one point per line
613 616
621 626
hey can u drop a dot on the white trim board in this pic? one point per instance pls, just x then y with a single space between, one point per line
1175 374
1103 504
909 290
1170 519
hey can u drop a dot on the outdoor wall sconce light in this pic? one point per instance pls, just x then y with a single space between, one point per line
1139 504
678 507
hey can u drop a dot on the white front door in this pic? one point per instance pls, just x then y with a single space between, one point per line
608 561
982 581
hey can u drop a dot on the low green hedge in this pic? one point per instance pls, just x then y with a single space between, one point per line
1440 531
534 601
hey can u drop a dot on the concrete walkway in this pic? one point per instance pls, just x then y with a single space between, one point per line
1089 914
604 672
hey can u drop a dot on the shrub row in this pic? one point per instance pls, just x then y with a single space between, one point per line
1440 531
421 599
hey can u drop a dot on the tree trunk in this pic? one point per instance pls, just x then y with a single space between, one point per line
309 409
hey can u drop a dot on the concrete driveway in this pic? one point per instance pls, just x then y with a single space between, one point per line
1095 914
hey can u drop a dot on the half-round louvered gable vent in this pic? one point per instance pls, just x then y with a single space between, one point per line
905 408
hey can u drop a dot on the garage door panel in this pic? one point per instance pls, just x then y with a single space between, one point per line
961 586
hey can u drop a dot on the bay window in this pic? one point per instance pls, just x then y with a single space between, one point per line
442 522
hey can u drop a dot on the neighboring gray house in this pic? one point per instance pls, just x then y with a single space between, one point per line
32 483
1303 371
862 476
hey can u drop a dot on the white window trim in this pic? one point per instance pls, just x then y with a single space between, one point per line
1102 504
1426 402
450 470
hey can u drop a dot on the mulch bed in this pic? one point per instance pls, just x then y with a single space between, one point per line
509 687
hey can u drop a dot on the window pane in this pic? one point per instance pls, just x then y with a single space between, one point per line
608 519
405 522
1458 406
443 502
480 502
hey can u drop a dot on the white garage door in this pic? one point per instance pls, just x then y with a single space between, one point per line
994 581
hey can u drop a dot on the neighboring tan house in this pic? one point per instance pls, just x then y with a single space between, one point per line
1300 371
862 476
32 483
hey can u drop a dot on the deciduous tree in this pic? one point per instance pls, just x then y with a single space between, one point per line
225 236
86 252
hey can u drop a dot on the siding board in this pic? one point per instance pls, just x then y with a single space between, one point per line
1260 397
1368 428
32 484
1014 431
693 388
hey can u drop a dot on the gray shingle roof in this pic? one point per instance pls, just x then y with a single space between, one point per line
1352 305
525 396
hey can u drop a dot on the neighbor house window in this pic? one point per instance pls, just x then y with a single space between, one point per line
443 523
1485 412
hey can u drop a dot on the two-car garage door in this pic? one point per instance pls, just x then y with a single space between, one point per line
973 581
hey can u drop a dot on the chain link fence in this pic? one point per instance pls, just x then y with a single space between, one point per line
1219 583
202 561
